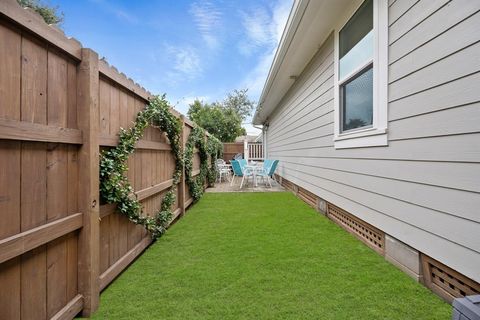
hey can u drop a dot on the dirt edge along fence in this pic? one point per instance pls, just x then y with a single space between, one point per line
60 106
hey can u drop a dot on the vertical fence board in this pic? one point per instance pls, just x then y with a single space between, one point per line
56 276
10 209
10 74
33 214
57 190
104 241
72 204
124 223
132 228
104 101
114 110
34 82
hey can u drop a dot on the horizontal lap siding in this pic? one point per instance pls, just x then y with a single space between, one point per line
424 187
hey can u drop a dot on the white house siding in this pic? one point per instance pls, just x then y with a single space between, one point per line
424 188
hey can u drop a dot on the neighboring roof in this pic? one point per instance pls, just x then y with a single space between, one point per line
250 138
309 24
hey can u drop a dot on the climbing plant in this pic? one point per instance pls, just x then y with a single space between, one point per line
211 147
114 185
196 139
215 151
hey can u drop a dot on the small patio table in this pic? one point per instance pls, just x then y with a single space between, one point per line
254 167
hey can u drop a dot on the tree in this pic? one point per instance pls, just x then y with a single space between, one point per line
223 123
238 100
223 119
49 14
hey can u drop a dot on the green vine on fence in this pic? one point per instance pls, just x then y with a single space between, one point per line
114 185
213 148
196 139
215 151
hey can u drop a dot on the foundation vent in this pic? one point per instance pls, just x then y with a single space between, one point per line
287 184
446 282
368 234
307 197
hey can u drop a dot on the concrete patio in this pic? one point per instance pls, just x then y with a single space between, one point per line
225 186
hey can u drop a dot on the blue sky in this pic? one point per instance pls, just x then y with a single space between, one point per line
186 49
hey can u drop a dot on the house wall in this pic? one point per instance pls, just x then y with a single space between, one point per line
424 187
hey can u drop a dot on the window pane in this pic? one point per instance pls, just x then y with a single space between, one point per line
358 56
357 101
359 25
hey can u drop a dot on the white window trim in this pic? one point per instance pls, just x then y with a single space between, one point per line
375 135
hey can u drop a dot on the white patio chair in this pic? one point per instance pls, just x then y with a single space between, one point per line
223 170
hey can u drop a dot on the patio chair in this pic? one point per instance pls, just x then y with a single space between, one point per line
267 163
242 163
267 172
237 156
237 170
223 170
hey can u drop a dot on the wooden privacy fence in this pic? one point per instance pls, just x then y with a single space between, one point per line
59 107
231 149
249 150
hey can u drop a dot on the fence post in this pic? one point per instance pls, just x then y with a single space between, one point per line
88 192
181 186
245 149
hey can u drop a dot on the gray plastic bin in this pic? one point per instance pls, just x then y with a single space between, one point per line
467 308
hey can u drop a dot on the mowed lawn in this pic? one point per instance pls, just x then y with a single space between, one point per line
263 256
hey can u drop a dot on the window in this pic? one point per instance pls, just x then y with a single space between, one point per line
361 66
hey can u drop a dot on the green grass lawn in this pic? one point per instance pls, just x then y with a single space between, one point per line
263 256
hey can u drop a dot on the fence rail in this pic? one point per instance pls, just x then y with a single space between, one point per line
60 106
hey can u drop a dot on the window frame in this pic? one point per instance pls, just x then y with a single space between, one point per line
375 134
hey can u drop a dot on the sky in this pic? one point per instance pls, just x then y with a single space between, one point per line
187 49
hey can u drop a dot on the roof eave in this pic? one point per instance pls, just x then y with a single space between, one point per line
308 26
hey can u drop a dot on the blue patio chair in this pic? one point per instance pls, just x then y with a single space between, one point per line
267 163
242 163
237 170
267 172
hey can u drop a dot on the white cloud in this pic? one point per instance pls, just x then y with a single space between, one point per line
263 34
267 33
280 16
186 63
208 19
263 26
258 29
116 10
